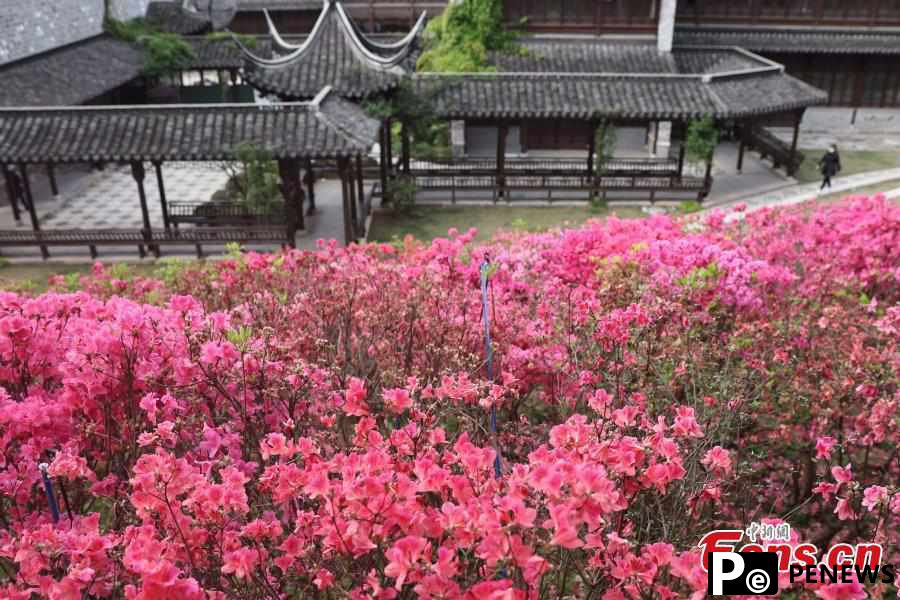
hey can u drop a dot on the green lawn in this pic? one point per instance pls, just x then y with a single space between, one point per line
430 222
852 162
35 276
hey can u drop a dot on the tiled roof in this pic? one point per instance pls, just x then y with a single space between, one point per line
596 96
70 75
788 40
217 53
593 79
327 128
595 56
335 53
170 16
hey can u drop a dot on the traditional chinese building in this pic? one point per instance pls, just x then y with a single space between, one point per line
652 66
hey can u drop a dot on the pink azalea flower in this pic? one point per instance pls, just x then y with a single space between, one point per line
824 445
718 459
397 400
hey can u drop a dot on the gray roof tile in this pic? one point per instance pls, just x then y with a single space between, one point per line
790 40
70 75
333 128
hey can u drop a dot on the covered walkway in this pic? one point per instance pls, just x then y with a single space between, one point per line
145 138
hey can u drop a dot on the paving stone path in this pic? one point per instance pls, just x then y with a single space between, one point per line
796 194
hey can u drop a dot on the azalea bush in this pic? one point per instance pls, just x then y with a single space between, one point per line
316 424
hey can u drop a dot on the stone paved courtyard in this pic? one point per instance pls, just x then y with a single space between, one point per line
109 198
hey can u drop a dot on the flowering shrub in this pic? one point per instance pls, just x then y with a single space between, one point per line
314 425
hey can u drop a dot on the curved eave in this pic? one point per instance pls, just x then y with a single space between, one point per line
291 93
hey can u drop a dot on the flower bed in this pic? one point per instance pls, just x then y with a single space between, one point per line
315 425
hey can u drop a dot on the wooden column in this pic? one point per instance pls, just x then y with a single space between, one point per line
139 173
681 150
28 200
13 192
404 157
292 191
390 146
352 177
345 200
798 116
707 177
310 187
360 190
51 175
523 137
592 148
502 132
740 158
383 167
163 202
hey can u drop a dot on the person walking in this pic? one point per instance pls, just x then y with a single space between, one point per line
830 165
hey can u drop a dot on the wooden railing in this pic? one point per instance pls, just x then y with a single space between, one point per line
770 146
543 167
222 214
555 187
194 236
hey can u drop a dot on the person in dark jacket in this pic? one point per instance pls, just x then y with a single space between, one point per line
830 165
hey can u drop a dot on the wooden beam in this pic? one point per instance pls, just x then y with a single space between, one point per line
28 200
163 203
139 173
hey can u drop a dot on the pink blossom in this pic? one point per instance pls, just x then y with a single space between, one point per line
718 459
397 400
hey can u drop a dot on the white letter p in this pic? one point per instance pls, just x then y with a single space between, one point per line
719 574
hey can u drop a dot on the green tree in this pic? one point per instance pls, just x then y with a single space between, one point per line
253 180
163 52
415 107
702 139
460 39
